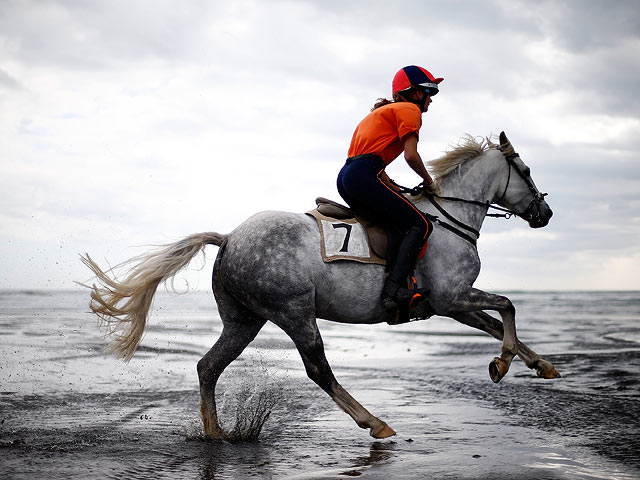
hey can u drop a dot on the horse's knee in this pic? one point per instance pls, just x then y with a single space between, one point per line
507 307
511 309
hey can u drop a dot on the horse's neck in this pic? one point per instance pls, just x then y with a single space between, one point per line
475 180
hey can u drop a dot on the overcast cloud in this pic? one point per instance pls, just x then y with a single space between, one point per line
129 123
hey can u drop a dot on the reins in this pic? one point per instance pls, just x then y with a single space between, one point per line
537 198
415 191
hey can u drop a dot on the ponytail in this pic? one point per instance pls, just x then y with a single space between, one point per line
397 97
381 103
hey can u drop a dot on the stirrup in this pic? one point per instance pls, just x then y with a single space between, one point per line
394 297
408 311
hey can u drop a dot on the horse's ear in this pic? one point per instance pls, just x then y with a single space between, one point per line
505 145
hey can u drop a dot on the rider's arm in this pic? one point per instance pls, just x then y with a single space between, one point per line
414 160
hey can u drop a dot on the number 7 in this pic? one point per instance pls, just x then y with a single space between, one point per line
347 227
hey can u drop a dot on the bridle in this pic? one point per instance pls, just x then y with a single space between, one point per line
531 214
533 211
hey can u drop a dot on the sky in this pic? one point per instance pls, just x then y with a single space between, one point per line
127 124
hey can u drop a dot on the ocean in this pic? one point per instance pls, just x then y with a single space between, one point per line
68 410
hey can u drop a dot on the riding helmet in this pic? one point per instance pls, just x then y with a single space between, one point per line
414 76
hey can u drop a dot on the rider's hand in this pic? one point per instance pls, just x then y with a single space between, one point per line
432 189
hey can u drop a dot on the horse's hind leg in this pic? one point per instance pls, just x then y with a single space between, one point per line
306 336
485 322
240 327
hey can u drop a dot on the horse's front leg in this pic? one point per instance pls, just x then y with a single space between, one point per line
485 322
476 300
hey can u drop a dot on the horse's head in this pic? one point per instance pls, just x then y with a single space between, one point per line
518 192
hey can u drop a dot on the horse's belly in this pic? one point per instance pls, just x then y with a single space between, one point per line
349 292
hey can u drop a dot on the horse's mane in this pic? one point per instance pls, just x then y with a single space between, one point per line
467 148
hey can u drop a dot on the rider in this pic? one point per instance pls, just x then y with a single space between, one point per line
391 128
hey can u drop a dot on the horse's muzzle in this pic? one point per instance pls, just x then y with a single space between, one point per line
538 214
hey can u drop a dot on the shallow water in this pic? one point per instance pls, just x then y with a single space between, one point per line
69 411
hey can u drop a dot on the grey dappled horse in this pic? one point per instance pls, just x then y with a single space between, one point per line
270 269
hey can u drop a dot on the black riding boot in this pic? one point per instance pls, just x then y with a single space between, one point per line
395 291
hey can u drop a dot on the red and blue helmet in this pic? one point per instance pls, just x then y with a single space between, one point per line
414 76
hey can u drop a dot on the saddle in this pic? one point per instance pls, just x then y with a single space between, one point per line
381 242
377 235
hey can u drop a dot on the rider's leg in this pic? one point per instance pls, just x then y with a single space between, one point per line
361 184
400 212
395 291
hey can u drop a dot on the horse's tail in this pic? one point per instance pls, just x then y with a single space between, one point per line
123 304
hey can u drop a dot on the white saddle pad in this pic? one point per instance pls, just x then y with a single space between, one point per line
344 240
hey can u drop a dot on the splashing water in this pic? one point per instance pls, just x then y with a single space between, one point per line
251 404
245 406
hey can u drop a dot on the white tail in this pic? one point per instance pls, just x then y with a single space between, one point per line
123 305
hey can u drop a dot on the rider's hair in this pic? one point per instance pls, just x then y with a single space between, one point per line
397 97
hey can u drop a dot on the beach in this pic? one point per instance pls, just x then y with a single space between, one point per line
68 410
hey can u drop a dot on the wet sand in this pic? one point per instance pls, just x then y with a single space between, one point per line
69 411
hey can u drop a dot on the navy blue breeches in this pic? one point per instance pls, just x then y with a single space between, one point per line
361 186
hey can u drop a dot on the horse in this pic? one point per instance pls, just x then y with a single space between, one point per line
270 269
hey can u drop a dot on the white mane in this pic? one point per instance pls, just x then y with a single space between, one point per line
466 149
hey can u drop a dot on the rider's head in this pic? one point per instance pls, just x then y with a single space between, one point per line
416 85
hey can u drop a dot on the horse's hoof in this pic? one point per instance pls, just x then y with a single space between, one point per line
548 373
212 430
214 434
383 431
498 368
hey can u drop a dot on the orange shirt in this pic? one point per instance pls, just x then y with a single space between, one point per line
383 131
